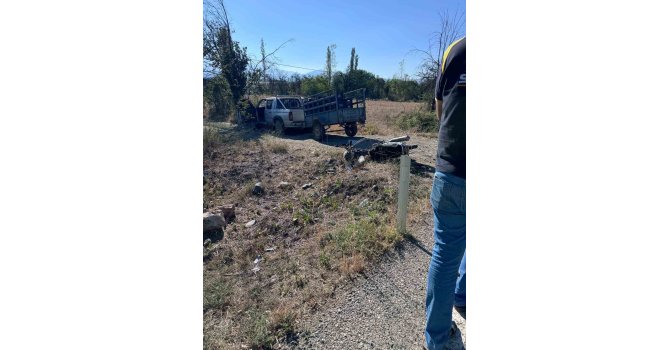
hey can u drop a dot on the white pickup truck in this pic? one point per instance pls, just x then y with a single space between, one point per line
317 112
281 112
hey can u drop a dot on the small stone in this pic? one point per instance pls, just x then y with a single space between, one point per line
258 188
227 210
250 223
284 184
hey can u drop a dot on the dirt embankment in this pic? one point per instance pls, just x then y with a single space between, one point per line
312 227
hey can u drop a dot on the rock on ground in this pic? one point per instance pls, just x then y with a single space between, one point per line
227 210
212 226
258 189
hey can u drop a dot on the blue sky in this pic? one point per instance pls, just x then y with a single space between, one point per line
383 32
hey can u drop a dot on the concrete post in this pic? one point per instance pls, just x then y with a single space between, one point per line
403 193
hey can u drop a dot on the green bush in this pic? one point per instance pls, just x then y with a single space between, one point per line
421 121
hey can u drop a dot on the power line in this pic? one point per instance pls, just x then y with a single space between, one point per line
288 65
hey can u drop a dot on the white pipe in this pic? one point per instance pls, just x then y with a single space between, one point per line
403 193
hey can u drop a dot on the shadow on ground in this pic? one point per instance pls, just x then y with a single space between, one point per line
331 139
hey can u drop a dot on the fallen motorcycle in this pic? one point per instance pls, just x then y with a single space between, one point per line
381 151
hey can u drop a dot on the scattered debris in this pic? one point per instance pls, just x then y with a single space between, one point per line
258 188
307 185
256 267
284 184
271 249
375 188
207 242
250 223
380 151
363 202
330 170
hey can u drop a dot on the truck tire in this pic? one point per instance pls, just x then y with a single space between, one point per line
318 131
279 127
351 129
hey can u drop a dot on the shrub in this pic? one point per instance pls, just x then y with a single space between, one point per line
421 121
278 147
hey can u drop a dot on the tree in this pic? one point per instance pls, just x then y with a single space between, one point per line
353 61
330 62
314 85
258 69
263 57
223 58
451 28
402 90
402 76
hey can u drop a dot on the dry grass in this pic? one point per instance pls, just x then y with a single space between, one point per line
382 116
319 237
277 146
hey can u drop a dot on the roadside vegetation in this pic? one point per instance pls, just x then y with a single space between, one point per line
307 243
419 121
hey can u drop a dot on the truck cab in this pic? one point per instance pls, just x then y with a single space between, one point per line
281 112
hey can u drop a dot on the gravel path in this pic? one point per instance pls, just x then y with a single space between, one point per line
385 309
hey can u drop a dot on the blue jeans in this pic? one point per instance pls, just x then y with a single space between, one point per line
459 293
448 201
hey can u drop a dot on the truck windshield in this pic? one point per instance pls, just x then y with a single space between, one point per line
290 103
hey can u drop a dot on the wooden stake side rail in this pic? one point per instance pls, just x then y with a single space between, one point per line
330 101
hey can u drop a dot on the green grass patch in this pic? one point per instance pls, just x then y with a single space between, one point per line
216 294
257 330
420 121
370 235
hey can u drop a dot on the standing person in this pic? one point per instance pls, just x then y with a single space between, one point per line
447 197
